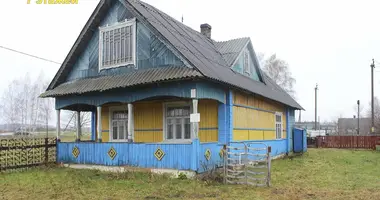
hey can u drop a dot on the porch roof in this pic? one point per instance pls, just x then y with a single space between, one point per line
119 81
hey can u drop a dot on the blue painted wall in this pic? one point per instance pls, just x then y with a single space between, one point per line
151 52
179 89
290 128
215 160
177 156
238 66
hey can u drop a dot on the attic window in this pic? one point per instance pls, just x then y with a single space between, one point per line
117 45
246 63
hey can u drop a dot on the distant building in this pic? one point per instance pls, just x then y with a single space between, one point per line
348 126
307 125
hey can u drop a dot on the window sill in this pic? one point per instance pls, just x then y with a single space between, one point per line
184 141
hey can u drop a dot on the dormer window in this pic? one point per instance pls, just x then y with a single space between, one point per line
117 45
246 67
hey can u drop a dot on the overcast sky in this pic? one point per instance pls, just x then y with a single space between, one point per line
326 42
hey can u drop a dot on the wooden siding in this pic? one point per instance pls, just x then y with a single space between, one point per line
150 51
148 121
254 117
208 126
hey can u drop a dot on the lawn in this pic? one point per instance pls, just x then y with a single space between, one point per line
318 174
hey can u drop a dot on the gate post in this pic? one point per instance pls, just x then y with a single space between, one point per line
269 163
46 150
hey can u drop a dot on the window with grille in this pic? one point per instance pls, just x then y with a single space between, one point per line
246 63
278 118
117 45
177 122
119 123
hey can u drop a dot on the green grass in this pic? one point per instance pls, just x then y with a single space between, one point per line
318 174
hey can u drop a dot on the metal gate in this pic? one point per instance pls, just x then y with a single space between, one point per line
247 163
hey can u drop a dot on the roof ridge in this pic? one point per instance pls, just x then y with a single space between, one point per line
230 40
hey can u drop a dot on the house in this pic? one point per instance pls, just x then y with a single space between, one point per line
349 126
163 95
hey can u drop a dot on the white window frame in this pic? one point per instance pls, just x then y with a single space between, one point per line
111 111
176 104
280 124
126 23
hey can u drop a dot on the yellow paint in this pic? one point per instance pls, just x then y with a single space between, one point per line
251 118
147 116
208 110
105 136
148 136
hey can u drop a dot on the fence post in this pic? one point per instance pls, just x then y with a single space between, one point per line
268 163
46 150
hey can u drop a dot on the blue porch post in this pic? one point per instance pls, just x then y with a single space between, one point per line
225 118
230 116
93 125
287 131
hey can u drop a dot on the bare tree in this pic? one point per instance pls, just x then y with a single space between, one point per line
278 70
21 105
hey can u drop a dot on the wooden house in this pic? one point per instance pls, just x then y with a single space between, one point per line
163 95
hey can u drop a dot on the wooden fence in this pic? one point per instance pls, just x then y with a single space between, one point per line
18 153
359 142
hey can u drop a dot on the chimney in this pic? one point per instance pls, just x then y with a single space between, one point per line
206 30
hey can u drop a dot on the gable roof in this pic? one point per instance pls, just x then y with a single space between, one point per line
212 59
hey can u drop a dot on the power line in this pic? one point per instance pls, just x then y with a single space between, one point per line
26 54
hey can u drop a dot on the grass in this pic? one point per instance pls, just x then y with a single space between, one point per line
318 174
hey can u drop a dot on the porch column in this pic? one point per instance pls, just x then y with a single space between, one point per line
78 126
99 123
194 120
130 123
58 111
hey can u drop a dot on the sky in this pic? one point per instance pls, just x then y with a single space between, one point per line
330 43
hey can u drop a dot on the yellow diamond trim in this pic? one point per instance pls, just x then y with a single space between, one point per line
112 153
221 153
208 154
159 154
76 152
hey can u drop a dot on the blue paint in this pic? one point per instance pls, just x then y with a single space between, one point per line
287 129
150 50
299 140
238 65
253 108
215 159
194 155
179 89
290 127
278 146
177 156
222 123
229 103
93 126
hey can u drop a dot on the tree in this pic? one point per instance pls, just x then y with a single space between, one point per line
278 70
21 105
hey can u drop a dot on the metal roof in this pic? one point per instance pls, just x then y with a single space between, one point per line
210 58
118 81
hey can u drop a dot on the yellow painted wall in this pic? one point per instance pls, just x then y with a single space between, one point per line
208 110
256 119
148 121
148 116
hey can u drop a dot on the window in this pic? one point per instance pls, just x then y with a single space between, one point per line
119 123
278 118
177 122
246 63
117 45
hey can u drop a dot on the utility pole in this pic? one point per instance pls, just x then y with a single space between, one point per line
315 120
372 107
358 115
